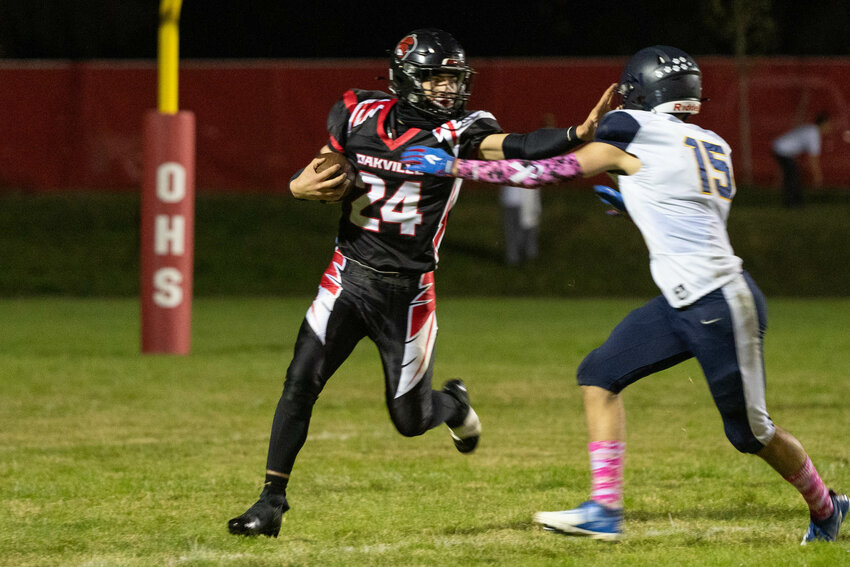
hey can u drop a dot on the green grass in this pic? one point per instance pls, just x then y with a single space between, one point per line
111 458
87 244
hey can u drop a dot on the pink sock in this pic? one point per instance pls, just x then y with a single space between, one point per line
606 472
808 482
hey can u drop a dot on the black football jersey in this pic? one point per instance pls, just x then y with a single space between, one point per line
395 219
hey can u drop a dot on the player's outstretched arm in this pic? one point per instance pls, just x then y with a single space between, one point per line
517 172
312 186
539 144
546 142
587 161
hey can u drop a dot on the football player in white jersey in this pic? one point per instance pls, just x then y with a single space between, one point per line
677 184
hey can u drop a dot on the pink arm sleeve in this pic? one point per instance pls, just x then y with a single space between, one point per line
520 172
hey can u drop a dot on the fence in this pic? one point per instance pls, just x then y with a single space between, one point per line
69 125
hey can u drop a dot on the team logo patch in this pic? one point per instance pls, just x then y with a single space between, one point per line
405 46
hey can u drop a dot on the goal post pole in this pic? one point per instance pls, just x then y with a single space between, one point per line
167 204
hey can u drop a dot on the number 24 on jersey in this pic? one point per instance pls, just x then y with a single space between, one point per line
401 208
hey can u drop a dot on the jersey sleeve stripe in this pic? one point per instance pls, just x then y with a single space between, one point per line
335 144
350 99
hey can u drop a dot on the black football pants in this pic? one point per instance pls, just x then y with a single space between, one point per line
397 312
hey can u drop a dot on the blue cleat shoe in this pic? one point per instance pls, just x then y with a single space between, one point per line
827 529
590 519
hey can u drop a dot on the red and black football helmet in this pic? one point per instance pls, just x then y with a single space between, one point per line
418 57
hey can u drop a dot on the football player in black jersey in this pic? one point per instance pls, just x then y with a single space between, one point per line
380 281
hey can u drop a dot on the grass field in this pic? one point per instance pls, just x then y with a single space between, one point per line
110 458
87 245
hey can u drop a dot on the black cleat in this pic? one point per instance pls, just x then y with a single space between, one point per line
263 518
465 435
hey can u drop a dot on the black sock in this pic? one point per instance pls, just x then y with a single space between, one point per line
447 409
276 484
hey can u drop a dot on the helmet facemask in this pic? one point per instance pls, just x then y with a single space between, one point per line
426 96
419 65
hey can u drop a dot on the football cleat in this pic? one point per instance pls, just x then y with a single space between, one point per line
465 435
827 529
590 519
263 518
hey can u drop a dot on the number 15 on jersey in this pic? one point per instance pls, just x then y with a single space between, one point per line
714 167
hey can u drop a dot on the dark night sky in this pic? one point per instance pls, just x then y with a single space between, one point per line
96 29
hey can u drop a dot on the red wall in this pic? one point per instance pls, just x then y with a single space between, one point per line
78 125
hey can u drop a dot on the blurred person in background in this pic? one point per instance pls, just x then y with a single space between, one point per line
790 146
521 212
677 185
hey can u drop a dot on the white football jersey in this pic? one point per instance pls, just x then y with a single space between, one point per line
679 199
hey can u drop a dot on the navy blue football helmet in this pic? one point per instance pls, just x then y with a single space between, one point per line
420 56
662 79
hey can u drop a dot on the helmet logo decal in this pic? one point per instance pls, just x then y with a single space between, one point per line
686 107
405 46
679 64
679 107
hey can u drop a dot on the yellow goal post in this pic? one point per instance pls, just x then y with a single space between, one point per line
168 54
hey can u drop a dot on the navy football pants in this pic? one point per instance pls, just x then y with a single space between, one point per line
724 330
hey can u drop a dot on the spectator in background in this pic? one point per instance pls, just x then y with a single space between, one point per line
521 209
804 139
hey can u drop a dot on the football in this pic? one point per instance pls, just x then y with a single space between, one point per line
347 184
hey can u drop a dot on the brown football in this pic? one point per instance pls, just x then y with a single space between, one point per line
347 184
